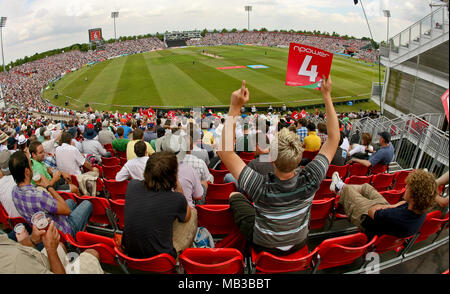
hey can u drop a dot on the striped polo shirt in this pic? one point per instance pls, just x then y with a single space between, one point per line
283 207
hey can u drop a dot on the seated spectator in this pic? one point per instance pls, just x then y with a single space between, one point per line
340 155
105 136
7 184
152 208
134 168
3 141
244 143
285 225
364 150
68 157
138 135
92 146
120 144
59 180
384 155
368 210
150 133
302 131
311 142
69 218
322 132
127 129
22 257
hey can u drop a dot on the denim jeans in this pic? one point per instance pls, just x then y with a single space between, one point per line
79 216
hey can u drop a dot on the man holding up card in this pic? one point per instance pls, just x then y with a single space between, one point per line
279 220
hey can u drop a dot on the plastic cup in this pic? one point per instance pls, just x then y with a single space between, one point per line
39 219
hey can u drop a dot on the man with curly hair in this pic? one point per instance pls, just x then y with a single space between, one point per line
368 210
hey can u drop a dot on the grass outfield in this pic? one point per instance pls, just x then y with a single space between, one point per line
170 78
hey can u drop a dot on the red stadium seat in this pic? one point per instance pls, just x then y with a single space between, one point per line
310 154
117 207
342 170
265 262
387 243
382 182
379 168
433 224
212 261
218 175
109 172
358 180
247 155
217 218
110 161
161 263
320 212
219 193
343 250
356 169
68 195
123 160
393 196
399 179
10 222
108 147
324 190
105 251
115 190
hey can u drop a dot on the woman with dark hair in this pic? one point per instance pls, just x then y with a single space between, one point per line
153 207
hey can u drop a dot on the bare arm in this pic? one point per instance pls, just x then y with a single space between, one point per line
231 160
364 162
331 144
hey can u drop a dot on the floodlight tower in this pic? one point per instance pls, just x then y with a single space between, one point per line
2 24
387 14
114 15
248 9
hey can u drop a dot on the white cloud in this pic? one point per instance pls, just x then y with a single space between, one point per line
39 25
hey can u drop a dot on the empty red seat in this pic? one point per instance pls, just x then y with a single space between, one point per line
393 196
399 179
218 175
219 193
110 161
379 168
358 180
343 250
356 169
116 190
247 155
382 181
387 243
265 262
104 248
217 218
118 206
212 261
109 172
320 212
324 190
433 224
342 170
161 263
9 222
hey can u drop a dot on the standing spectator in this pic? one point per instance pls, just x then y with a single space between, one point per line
105 136
134 168
69 218
274 223
152 208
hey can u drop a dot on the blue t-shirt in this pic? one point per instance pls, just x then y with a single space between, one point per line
126 131
384 155
399 221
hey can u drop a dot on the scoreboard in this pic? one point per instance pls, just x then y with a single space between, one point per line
95 35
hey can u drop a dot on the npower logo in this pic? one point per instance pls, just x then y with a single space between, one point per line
310 51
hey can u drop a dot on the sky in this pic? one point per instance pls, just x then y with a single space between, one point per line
39 25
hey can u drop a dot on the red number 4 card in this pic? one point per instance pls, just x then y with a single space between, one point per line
306 65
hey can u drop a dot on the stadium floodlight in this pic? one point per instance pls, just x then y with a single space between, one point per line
248 8
114 15
387 14
2 24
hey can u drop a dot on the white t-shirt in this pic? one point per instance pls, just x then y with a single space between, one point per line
357 148
69 159
133 169
7 184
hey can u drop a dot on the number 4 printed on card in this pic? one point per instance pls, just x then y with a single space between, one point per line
312 74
